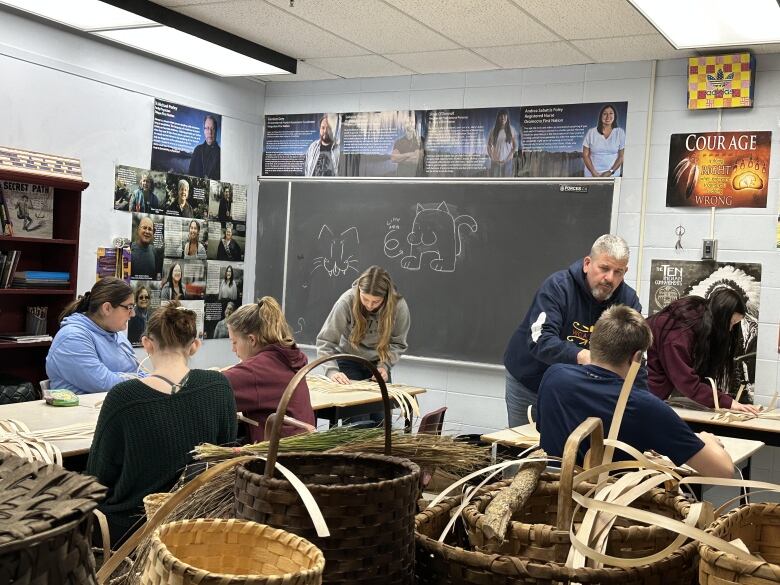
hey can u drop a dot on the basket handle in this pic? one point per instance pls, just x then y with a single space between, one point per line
281 409
590 427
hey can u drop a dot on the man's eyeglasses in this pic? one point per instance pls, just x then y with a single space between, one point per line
130 308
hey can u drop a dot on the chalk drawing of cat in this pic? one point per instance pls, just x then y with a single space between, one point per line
340 251
435 232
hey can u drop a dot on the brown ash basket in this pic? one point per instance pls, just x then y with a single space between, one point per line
758 526
226 552
368 501
537 540
153 502
46 524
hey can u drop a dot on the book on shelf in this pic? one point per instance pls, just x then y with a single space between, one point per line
6 227
24 337
29 209
11 261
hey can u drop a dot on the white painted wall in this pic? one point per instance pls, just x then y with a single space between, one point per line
475 397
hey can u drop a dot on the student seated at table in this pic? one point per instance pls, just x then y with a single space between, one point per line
89 352
147 427
570 393
263 341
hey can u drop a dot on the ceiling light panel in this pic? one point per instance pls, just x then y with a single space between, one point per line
82 14
696 24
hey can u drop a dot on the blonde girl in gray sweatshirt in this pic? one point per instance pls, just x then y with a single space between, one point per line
370 320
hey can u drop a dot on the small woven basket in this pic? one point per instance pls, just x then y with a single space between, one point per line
225 552
368 502
152 502
46 524
758 526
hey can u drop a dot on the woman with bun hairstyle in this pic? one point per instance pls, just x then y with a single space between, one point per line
148 427
263 341
693 339
370 320
89 352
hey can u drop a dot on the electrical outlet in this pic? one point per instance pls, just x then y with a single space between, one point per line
709 249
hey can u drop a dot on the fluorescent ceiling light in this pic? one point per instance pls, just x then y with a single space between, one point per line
160 31
183 48
696 24
82 14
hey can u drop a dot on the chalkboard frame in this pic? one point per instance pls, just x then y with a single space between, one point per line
283 189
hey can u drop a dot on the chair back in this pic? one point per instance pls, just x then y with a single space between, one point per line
432 422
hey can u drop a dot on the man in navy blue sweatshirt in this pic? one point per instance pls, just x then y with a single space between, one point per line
557 327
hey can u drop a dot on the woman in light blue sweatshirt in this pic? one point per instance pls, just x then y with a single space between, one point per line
88 353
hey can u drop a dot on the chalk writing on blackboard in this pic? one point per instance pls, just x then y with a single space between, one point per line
339 251
300 326
435 235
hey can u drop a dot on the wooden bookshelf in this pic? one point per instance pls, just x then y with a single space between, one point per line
60 253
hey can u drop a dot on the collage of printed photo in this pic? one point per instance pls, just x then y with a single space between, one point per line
188 237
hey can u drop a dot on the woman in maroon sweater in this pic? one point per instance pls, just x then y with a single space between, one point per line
693 339
263 341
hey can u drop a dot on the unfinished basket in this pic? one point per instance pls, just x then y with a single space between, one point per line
225 552
758 526
536 546
46 523
368 501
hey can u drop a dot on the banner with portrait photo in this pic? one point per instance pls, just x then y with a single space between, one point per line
147 300
573 140
227 241
719 169
299 145
185 238
215 318
139 190
381 144
471 143
183 279
225 281
227 201
147 245
186 140
674 279
187 196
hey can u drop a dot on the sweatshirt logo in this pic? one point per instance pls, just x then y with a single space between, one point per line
580 334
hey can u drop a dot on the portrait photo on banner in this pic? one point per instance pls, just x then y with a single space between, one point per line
186 140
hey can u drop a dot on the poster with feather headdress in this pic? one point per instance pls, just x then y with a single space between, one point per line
673 279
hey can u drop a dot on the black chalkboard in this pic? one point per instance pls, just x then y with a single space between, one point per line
512 235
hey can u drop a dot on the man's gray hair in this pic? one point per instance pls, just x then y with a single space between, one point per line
611 245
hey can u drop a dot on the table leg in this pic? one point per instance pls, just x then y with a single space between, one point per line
746 475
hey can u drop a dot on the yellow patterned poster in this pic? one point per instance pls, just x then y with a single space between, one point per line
721 81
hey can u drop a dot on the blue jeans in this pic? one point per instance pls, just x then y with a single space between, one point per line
518 399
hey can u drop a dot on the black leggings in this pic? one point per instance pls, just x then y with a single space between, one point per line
356 371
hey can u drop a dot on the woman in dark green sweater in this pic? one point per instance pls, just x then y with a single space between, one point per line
147 427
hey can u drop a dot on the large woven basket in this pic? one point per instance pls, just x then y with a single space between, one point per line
758 526
46 524
225 552
538 541
367 500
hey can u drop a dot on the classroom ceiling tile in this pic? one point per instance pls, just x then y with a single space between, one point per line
534 55
306 72
589 19
640 47
486 23
361 66
442 61
372 24
271 27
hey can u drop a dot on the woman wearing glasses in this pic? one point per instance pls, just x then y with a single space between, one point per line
89 354
137 324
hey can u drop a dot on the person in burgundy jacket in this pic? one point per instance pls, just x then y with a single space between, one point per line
694 339
263 341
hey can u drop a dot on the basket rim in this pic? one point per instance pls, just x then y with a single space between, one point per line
165 553
412 471
711 556
526 568
38 537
